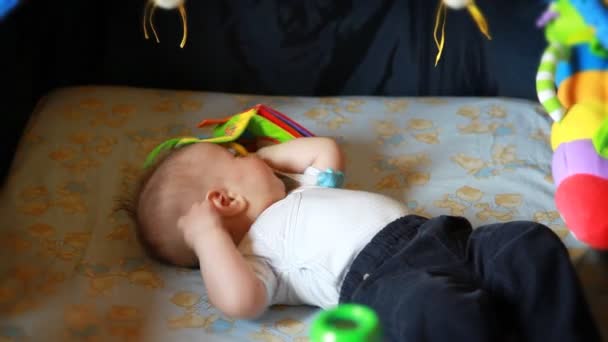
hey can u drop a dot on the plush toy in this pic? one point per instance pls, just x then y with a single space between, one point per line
576 62
249 128
148 19
441 18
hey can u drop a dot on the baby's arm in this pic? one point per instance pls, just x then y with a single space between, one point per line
296 155
231 285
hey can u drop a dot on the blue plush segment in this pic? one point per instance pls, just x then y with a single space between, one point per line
330 179
581 59
6 6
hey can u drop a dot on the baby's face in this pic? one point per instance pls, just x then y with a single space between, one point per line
187 178
250 175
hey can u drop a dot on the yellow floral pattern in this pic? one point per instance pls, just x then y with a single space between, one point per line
71 268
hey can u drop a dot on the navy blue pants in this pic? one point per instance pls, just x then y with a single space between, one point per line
439 280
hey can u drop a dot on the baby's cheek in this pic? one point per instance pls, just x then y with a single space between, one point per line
262 168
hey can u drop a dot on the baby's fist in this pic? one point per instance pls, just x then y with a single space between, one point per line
201 217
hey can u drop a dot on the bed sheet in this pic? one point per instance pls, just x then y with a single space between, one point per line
71 268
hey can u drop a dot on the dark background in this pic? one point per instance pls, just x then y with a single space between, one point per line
286 47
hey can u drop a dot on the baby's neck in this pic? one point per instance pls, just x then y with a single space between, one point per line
238 233
237 227
290 183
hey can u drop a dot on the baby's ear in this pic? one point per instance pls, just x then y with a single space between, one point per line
226 203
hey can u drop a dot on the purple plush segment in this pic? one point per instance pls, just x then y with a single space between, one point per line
578 157
546 17
288 121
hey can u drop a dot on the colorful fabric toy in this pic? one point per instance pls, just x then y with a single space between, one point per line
242 133
244 129
576 62
441 18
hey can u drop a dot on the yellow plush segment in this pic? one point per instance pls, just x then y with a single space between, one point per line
584 86
581 122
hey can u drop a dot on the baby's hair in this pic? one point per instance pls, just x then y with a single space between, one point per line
129 202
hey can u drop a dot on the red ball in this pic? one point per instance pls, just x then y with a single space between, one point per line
582 200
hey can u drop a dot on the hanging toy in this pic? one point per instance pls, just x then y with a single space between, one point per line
260 123
150 9
441 17
576 63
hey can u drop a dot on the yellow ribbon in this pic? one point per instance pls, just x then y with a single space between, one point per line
182 12
440 20
440 42
480 20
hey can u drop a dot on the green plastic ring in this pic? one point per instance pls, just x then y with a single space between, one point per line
346 323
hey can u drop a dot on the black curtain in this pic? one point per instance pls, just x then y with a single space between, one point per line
283 47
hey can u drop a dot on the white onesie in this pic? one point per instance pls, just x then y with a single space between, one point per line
302 246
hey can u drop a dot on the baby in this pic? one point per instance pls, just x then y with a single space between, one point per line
258 243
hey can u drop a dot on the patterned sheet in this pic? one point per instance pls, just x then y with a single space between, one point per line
71 269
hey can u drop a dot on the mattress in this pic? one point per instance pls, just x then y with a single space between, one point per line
70 265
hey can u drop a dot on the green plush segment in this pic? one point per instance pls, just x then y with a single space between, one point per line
545 84
262 127
598 49
552 104
569 28
548 66
600 140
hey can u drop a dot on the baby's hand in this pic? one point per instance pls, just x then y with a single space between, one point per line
200 218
